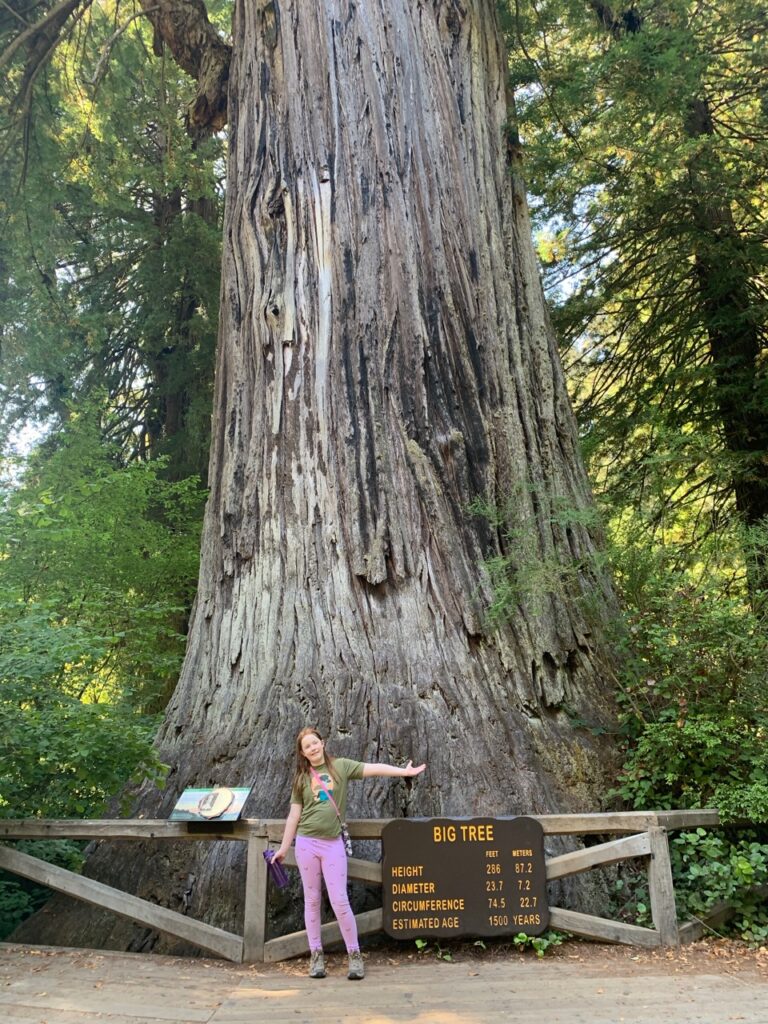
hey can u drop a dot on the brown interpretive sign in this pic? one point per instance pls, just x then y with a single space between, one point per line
464 876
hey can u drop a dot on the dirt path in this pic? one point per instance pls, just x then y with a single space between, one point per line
579 983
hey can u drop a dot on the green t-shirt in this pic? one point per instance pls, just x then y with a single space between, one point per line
318 815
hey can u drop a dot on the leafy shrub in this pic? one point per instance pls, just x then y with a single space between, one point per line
97 568
65 758
711 867
694 718
694 710
18 897
539 943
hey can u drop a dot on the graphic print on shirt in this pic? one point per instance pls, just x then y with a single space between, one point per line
317 790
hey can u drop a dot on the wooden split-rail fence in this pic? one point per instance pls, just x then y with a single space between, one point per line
643 835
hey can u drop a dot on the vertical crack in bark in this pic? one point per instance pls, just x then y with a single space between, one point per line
321 192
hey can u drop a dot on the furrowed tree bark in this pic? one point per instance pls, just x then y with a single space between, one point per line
385 357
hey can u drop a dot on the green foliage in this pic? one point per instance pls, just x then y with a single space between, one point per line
712 867
109 280
103 556
110 251
693 699
439 951
16 904
529 570
645 141
539 943
64 757
709 868
630 896
18 897
96 561
694 720
644 132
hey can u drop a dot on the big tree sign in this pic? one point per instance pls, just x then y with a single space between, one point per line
448 877
385 358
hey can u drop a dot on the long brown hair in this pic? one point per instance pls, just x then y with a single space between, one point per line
302 764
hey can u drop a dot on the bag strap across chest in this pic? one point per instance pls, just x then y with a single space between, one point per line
326 791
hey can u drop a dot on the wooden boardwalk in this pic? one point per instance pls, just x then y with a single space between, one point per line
43 986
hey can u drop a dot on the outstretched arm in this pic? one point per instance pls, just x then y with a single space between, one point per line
392 770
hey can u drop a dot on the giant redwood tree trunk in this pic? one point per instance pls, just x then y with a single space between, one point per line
384 358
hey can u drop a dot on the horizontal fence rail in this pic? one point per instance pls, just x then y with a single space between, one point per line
643 835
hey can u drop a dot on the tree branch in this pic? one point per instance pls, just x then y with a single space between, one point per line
56 17
183 26
106 52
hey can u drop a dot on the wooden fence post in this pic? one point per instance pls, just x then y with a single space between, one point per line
662 888
255 916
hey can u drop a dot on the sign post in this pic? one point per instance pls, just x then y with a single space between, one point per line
448 877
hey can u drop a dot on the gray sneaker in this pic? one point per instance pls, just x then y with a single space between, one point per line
356 969
317 964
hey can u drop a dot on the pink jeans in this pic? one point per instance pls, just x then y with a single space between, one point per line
326 856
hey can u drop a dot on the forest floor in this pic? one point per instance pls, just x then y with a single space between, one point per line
715 955
710 982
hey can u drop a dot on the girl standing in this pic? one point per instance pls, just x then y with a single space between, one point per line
318 807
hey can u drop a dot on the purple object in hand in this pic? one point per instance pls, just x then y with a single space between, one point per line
277 872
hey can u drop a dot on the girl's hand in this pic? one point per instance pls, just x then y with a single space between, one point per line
409 771
280 854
